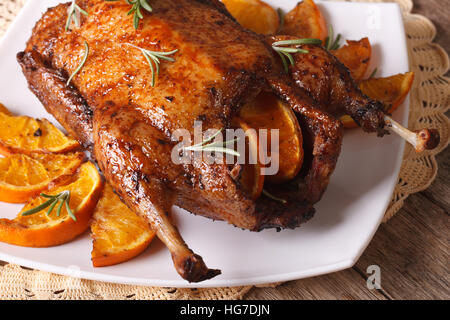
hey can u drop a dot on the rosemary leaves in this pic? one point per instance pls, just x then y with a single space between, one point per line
73 14
271 196
61 198
331 44
136 10
285 52
219 147
153 57
81 65
281 15
374 73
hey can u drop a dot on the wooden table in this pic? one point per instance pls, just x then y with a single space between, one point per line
412 249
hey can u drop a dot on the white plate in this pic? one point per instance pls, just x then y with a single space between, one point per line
346 218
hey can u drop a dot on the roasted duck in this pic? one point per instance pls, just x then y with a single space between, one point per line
113 106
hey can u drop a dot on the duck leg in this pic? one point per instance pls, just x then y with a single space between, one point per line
329 82
136 161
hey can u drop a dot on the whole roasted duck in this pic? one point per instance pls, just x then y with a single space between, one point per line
112 107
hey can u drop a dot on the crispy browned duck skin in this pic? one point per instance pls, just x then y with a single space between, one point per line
329 82
322 140
143 188
68 103
326 130
121 135
130 123
72 111
64 103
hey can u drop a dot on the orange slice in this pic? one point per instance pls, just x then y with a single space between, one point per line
23 177
355 56
27 135
391 91
268 112
348 122
4 110
251 177
305 21
42 230
255 15
118 233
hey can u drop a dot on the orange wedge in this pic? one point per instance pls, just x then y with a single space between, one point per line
4 110
355 56
23 177
27 135
251 177
42 230
305 21
348 122
392 91
268 112
118 233
255 15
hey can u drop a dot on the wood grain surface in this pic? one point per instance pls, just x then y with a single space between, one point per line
412 249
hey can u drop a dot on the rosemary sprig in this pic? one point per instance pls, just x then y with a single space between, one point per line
86 54
72 14
281 15
271 196
374 72
286 52
219 147
154 57
136 10
61 198
330 42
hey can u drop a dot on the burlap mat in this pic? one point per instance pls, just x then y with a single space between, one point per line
430 99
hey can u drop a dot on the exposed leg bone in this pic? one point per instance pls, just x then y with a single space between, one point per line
330 84
421 140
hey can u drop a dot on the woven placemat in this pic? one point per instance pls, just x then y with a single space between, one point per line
430 98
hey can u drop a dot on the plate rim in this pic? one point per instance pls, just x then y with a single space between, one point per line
218 283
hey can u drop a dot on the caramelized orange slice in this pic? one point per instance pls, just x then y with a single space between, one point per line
251 177
392 91
27 135
23 177
42 230
305 21
255 15
355 56
118 233
267 112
